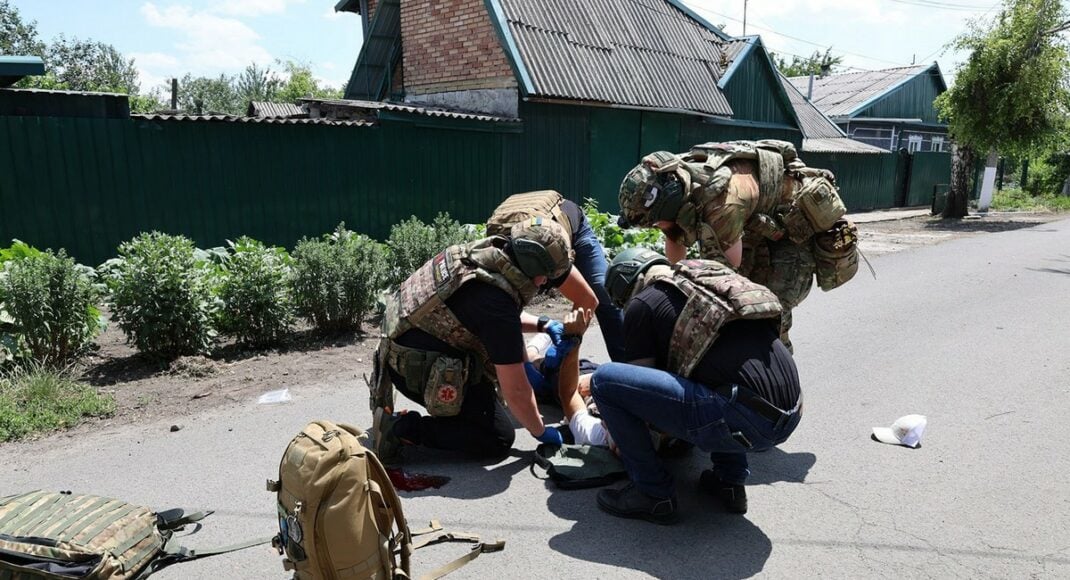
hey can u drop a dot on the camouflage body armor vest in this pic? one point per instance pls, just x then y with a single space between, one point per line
519 207
715 296
420 302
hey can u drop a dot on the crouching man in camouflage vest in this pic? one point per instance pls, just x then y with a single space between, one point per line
752 205
706 366
453 332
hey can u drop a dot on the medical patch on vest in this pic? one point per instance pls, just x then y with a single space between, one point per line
440 269
447 394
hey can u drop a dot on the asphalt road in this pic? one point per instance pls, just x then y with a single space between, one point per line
972 333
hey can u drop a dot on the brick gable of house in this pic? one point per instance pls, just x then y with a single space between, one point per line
451 45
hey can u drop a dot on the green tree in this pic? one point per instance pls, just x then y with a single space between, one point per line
18 37
89 65
1011 93
302 84
816 63
258 84
204 95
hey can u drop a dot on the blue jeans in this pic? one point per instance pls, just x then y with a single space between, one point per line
591 262
629 397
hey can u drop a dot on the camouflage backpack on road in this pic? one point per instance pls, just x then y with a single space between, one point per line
45 535
340 516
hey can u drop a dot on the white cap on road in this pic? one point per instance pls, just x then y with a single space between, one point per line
906 430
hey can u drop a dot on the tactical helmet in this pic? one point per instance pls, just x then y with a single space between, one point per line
541 248
651 191
625 270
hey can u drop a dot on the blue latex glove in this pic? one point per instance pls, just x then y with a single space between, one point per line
556 330
555 355
535 378
551 436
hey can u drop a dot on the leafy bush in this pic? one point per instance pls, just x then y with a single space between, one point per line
336 279
1017 200
412 242
36 398
48 307
161 295
615 239
257 307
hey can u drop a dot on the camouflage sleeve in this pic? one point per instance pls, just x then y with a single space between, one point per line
729 219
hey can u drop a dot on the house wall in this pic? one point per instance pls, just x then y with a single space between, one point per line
754 91
912 100
451 46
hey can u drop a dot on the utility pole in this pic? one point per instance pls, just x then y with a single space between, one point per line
744 18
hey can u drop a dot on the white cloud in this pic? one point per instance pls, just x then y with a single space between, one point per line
209 43
254 7
155 68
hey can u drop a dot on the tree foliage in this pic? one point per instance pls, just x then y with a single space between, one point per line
1011 93
814 64
16 36
231 95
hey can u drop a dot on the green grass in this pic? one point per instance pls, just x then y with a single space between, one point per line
37 399
1018 200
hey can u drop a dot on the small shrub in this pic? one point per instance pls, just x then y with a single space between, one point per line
412 242
48 308
336 279
36 398
615 239
161 295
1013 199
256 306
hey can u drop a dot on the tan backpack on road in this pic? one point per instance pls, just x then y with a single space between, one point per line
340 516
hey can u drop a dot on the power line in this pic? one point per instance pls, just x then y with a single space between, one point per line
939 5
810 42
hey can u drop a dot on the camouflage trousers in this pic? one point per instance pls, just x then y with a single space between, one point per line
784 267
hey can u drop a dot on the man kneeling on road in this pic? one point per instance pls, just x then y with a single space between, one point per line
706 365
452 331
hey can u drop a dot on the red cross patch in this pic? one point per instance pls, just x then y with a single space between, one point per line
447 393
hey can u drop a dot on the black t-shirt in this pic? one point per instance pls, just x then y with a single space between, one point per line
489 313
747 352
575 216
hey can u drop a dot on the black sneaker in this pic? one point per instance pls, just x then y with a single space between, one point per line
629 502
734 497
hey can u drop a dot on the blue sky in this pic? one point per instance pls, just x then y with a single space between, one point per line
171 37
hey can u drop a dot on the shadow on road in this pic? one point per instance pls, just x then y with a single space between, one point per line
706 543
776 465
985 225
469 479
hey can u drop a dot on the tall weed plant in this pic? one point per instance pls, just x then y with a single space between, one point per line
616 239
48 307
161 295
412 243
256 307
336 279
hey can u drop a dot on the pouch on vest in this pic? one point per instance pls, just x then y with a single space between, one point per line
817 207
836 255
579 466
445 389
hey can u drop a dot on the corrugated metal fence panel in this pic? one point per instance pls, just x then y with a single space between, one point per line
615 146
865 181
88 184
927 169
553 152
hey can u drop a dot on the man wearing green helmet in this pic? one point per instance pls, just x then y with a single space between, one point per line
751 205
705 365
453 334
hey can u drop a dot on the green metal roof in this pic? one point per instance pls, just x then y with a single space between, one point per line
13 68
348 6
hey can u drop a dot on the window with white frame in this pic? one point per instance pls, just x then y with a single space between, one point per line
913 143
938 143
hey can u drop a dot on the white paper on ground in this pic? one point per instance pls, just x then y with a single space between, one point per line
273 397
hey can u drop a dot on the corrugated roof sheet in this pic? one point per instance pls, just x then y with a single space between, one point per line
841 94
618 51
254 120
732 49
268 109
839 145
412 109
812 122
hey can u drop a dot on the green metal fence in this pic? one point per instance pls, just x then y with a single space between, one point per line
87 184
927 170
